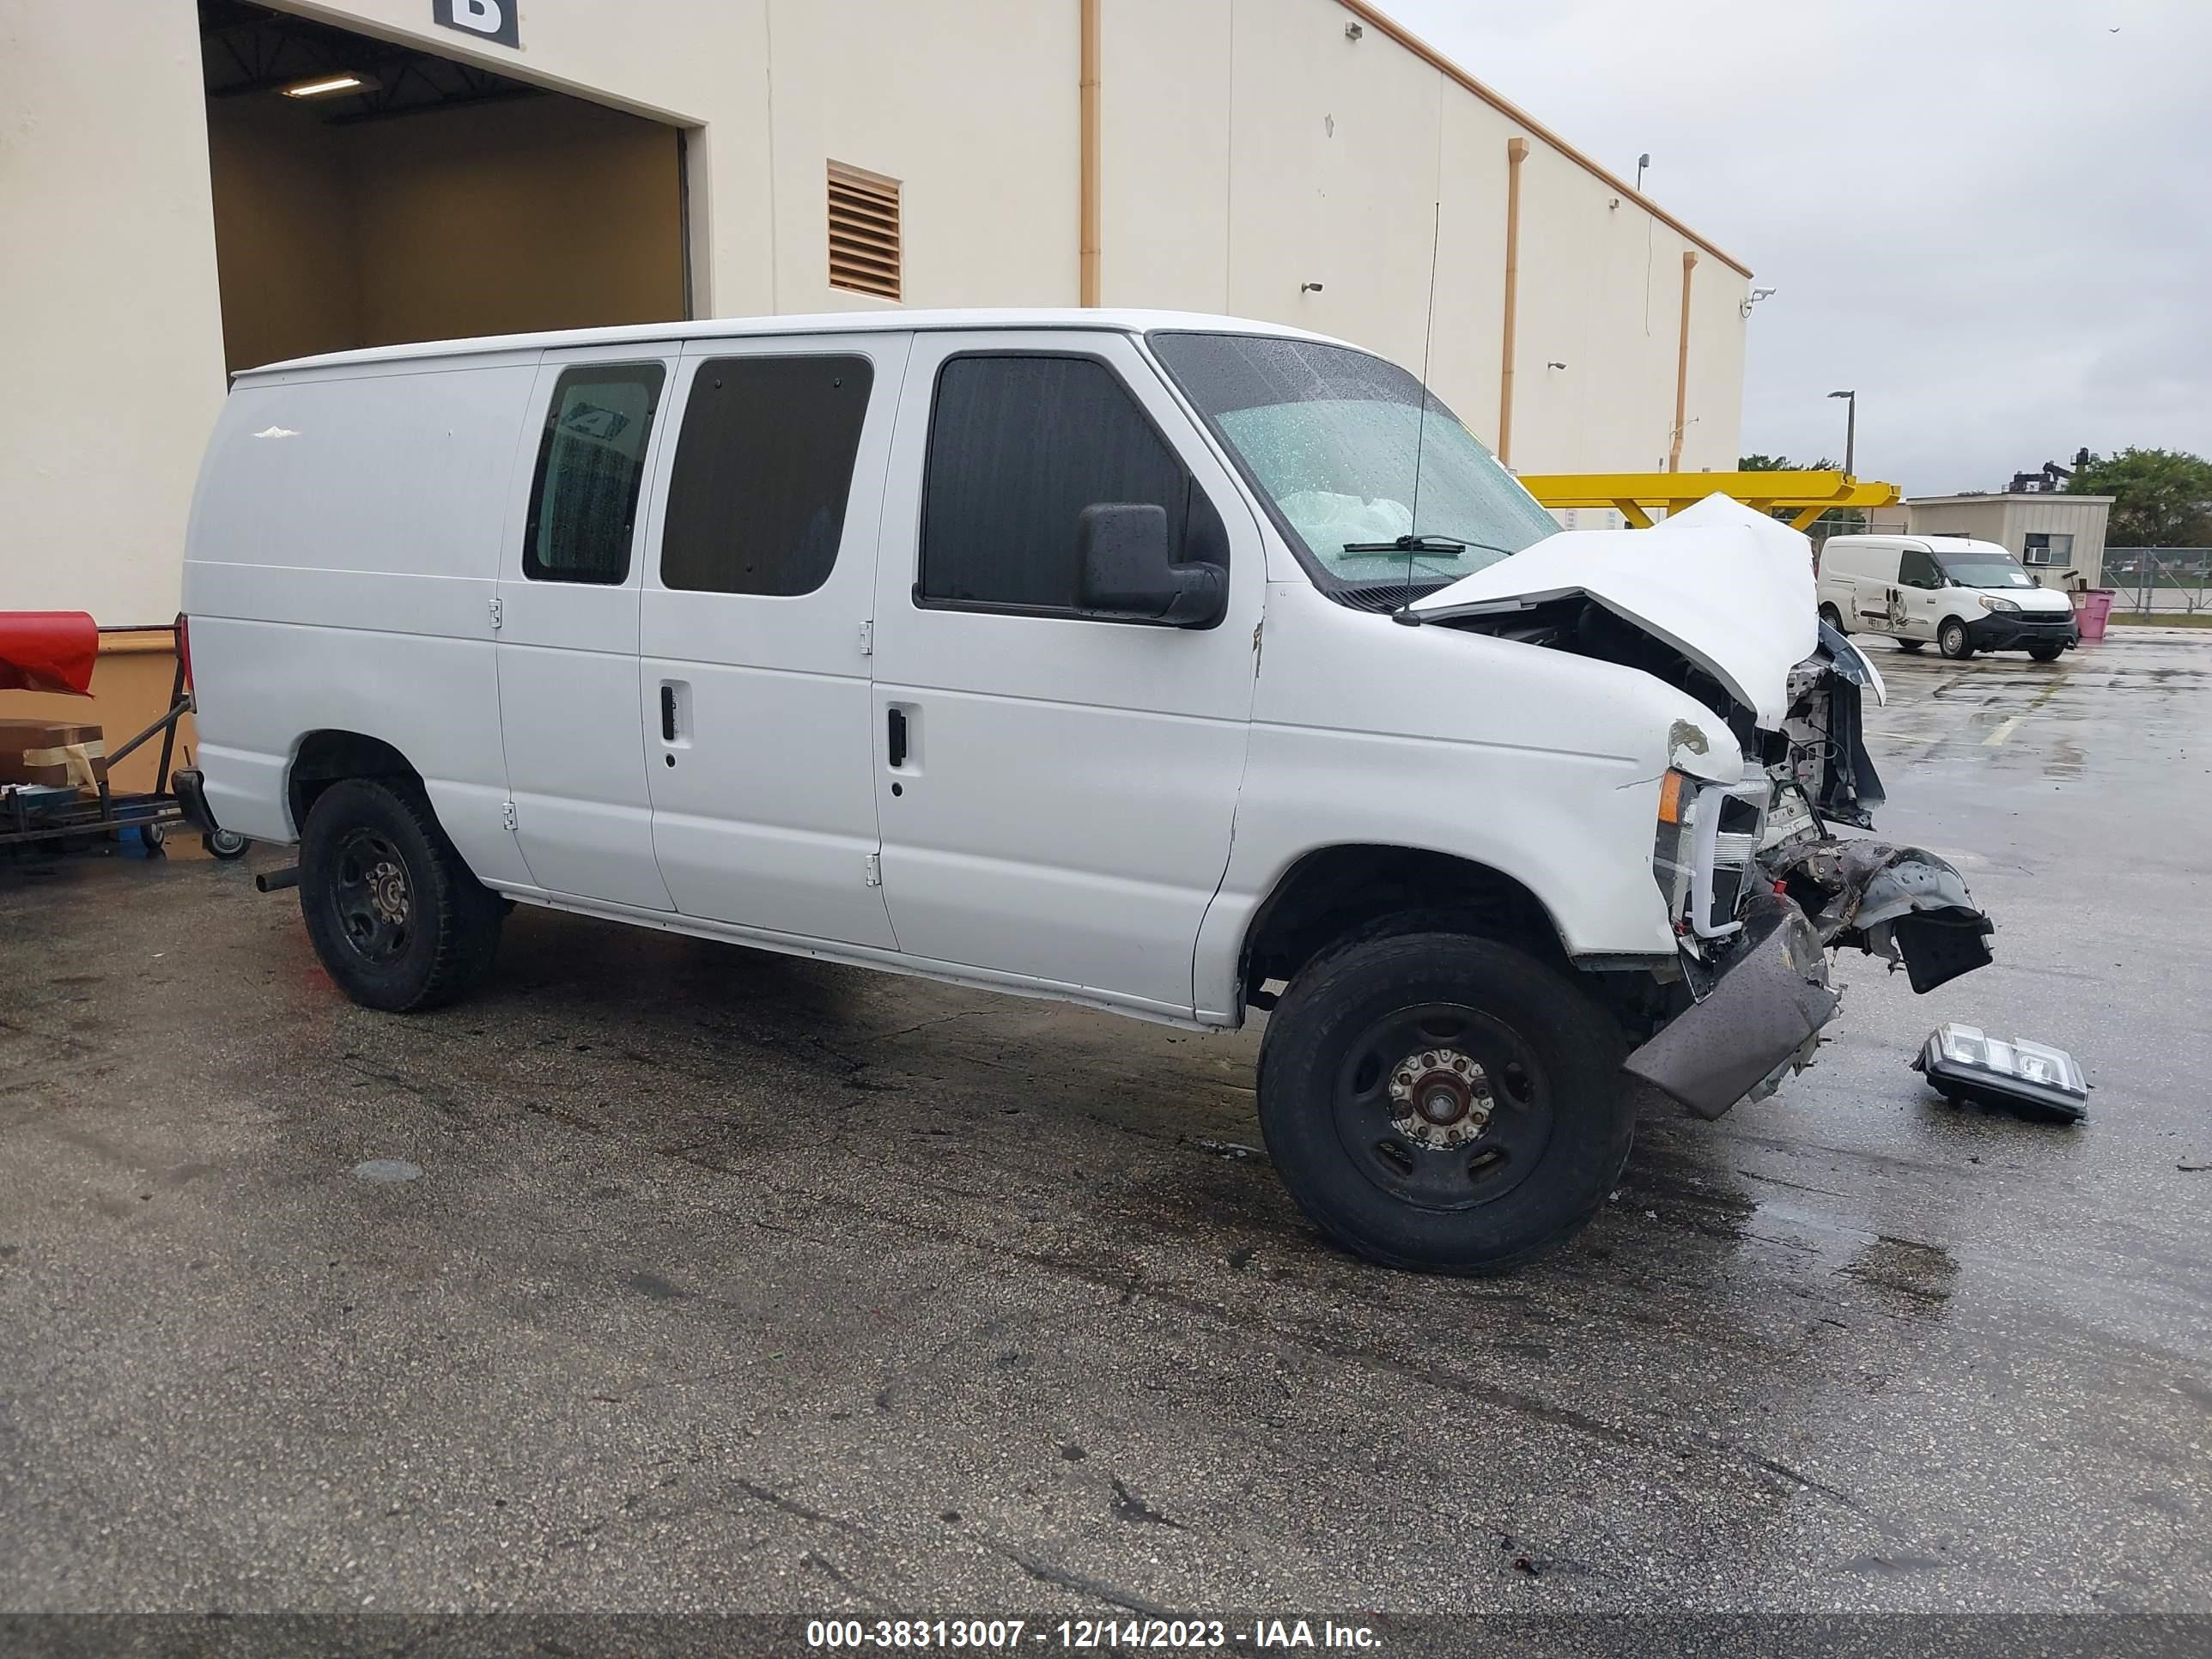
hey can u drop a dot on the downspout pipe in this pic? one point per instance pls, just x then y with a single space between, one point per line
1087 211
1682 367
1517 151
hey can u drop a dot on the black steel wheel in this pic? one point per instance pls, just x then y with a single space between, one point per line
394 914
225 844
1442 1103
1910 645
1951 639
2046 652
370 894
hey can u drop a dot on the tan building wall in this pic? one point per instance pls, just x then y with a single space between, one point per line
1263 149
1249 147
107 287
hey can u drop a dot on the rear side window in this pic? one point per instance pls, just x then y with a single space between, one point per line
763 467
1018 446
591 463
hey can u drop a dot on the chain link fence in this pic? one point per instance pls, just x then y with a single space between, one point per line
2159 579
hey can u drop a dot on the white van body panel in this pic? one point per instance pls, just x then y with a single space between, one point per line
1070 788
1540 765
322 598
571 724
769 823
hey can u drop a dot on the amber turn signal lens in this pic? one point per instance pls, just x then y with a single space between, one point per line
1670 798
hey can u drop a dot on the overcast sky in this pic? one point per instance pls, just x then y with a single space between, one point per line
1992 217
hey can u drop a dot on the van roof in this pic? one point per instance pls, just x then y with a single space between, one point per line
1925 544
834 322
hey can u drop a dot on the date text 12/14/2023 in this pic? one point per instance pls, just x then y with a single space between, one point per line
1083 1635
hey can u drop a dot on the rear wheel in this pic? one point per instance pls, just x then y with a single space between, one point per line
1910 645
1832 616
1442 1102
2046 652
393 912
1951 639
224 844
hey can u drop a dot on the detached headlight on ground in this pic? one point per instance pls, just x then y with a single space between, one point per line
1964 1062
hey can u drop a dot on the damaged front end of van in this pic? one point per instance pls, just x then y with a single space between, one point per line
1760 877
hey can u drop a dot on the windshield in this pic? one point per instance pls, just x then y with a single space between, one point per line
1328 435
1984 570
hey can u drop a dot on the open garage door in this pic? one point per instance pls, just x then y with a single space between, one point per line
368 193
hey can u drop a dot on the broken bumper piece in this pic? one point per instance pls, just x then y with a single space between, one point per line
1759 1021
1901 903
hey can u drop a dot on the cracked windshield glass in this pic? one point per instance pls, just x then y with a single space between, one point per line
1330 436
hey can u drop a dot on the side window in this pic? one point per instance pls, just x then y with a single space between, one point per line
764 464
591 463
1918 570
1018 446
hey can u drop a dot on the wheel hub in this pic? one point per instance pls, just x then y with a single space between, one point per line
1440 1099
387 892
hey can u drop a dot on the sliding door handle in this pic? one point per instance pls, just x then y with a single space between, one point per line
667 712
895 739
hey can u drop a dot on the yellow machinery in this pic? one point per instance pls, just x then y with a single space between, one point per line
1635 495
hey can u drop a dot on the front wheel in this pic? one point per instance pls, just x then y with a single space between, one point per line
395 915
1951 639
1442 1102
2046 652
1910 645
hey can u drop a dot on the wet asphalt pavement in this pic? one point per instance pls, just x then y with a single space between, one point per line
735 1282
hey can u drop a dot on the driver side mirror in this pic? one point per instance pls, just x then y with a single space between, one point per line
1125 568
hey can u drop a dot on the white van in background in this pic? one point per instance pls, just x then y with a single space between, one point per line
1966 595
1088 654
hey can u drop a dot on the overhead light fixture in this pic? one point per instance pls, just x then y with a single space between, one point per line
323 86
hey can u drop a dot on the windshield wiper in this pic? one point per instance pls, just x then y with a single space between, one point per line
1426 544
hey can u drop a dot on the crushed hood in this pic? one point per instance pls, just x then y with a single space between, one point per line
1729 587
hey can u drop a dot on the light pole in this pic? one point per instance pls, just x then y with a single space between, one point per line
1850 429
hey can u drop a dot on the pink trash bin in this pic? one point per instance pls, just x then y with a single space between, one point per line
2091 607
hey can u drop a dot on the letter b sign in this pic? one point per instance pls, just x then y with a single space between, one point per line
493 19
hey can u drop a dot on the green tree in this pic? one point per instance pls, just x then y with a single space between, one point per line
1837 521
2162 497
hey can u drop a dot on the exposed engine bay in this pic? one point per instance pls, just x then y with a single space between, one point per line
1768 886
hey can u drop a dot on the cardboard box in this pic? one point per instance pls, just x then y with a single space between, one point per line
59 753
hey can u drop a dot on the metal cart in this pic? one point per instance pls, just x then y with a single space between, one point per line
52 651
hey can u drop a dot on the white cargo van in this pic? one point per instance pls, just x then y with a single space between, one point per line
1966 595
1094 655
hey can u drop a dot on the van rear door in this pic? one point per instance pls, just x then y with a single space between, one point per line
568 620
755 662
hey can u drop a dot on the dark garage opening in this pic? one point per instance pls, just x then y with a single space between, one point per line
430 200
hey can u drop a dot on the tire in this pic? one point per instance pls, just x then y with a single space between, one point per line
2046 652
1481 1192
225 844
1833 617
396 916
154 837
1911 645
1951 639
